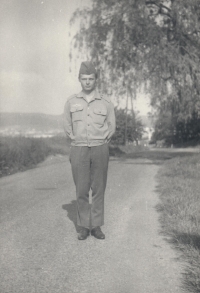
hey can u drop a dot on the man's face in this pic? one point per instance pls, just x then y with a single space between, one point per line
88 82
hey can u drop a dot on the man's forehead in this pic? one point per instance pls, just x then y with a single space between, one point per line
87 75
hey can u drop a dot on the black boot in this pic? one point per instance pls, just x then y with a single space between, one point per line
84 233
97 233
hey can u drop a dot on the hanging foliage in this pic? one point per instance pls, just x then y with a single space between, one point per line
155 43
137 43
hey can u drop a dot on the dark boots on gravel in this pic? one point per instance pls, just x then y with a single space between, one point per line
83 234
97 233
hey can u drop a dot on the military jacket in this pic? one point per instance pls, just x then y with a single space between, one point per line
89 124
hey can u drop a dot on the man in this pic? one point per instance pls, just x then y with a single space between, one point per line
89 121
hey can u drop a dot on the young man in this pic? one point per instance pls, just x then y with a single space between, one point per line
89 120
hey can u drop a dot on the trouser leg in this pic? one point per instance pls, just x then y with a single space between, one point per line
80 163
99 168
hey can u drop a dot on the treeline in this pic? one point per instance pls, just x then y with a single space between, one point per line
176 132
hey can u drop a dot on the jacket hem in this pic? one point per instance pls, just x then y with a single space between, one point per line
89 143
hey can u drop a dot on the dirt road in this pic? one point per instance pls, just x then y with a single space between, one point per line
40 252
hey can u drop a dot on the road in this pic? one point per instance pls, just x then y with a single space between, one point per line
40 252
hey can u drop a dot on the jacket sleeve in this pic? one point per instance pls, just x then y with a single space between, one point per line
111 121
67 121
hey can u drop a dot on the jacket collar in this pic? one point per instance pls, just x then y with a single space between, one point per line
83 95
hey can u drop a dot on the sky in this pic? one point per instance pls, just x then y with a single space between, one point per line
35 71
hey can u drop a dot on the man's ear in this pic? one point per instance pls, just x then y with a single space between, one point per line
79 77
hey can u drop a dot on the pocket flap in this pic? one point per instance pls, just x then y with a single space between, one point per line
76 107
100 111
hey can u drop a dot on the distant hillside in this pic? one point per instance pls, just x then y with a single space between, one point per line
31 120
38 124
29 123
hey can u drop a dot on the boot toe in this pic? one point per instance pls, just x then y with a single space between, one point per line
97 233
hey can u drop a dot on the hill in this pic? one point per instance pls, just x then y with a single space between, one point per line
38 124
30 124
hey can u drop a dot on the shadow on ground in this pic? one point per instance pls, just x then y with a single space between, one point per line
157 156
185 239
71 213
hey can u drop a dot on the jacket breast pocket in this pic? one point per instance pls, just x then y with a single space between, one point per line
99 115
76 112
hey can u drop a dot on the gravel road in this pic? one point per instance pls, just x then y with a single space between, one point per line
39 250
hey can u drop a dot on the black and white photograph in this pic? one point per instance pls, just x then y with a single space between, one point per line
99 146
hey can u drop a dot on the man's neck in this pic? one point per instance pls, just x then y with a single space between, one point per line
89 93
89 96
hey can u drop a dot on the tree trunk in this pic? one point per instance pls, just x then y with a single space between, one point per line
133 114
125 136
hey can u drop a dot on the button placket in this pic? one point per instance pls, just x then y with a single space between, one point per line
88 115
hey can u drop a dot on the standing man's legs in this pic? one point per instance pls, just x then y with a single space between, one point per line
99 168
80 162
89 169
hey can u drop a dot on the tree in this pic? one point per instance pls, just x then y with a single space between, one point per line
154 43
176 132
135 127
175 83
108 34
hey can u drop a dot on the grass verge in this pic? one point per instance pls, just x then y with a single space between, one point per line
179 186
22 153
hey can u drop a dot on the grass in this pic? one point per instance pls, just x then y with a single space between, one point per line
22 153
179 186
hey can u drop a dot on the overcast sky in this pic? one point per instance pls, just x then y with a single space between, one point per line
34 62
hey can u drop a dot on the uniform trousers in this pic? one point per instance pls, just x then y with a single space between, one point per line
89 170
